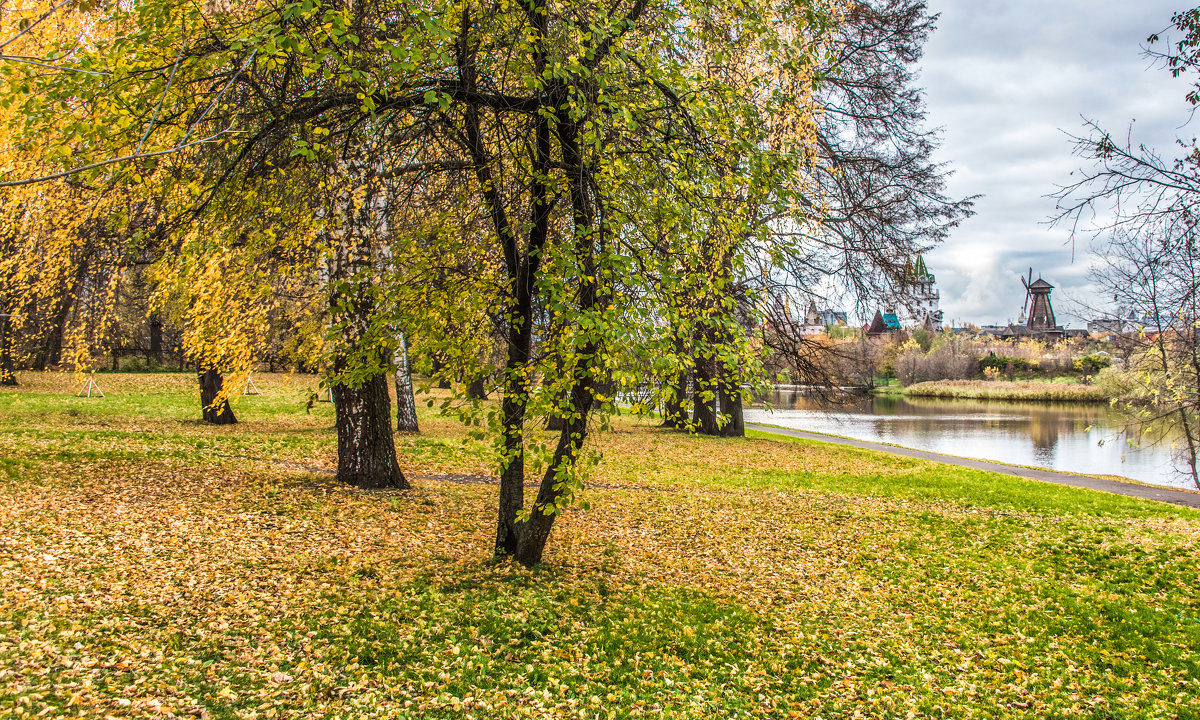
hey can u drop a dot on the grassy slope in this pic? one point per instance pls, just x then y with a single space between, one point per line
149 565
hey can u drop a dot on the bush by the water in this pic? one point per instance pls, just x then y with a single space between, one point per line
1005 362
1092 363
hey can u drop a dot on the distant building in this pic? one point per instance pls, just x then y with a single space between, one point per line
813 323
1106 326
1040 323
916 301
832 318
882 324
1125 322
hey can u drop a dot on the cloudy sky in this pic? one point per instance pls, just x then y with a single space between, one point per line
1004 79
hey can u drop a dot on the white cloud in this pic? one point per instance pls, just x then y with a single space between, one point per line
1005 79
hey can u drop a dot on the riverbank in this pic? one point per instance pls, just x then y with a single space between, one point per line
1110 484
154 566
1006 390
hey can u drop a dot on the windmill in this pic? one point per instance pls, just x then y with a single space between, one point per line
1037 301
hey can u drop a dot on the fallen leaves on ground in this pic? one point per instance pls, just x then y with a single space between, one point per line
195 572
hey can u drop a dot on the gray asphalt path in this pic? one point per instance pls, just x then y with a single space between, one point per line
1162 494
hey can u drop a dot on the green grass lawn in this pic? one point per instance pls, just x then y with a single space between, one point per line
153 566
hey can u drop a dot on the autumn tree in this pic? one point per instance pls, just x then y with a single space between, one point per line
566 127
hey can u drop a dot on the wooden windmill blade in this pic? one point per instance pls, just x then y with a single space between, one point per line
1026 283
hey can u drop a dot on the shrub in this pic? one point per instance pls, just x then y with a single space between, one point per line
1005 362
1092 363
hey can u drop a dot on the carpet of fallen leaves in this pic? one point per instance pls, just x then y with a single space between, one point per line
152 567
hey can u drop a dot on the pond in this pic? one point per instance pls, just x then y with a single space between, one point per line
1082 438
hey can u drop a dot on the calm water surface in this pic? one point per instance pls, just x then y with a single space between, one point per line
1071 437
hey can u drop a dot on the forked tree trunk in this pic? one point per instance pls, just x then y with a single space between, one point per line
513 406
535 531
210 387
406 404
366 453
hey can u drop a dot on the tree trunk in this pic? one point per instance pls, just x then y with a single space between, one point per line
155 339
477 390
366 452
210 386
730 395
675 406
513 405
438 366
8 374
51 353
704 415
406 404
535 532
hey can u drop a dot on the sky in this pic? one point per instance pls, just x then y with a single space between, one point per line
1005 80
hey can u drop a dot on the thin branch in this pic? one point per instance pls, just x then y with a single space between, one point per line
111 161
28 61
158 107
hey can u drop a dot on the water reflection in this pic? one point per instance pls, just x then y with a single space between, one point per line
1072 437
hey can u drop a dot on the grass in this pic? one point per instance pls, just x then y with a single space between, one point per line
153 566
1007 390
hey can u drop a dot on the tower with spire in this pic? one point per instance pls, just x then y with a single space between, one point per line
917 299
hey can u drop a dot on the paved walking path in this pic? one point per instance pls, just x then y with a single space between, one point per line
1163 494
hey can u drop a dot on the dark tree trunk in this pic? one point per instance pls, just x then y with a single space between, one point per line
513 405
439 365
366 452
730 394
406 404
116 361
535 532
705 403
675 402
50 353
8 373
155 339
366 447
477 390
210 386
